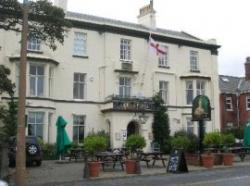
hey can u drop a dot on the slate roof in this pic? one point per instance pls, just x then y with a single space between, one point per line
231 84
133 26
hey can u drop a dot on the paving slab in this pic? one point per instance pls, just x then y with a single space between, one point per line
54 172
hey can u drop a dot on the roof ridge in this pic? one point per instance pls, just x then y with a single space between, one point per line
180 34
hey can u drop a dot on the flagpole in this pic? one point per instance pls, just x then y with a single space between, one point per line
145 66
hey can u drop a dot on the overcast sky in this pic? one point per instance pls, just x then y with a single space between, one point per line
225 20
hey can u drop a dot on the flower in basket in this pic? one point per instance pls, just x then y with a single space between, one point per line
134 143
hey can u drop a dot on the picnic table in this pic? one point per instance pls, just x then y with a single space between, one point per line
154 156
108 158
240 151
76 153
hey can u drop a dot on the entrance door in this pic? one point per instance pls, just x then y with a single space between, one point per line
132 128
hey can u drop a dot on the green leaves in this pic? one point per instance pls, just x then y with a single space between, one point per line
135 142
5 82
46 22
94 143
160 125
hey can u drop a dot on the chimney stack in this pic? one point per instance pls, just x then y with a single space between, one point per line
62 4
147 16
247 68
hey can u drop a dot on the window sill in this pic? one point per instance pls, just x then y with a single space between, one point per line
35 51
79 56
79 100
229 110
126 61
196 71
166 67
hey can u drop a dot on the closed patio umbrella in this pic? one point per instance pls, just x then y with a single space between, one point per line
62 139
247 134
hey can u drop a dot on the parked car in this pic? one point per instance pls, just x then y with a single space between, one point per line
3 183
33 151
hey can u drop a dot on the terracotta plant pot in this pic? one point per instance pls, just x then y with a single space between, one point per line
228 159
207 160
218 158
94 168
192 159
131 167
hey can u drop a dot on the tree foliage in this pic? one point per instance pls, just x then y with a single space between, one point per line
5 82
9 119
160 125
8 115
46 22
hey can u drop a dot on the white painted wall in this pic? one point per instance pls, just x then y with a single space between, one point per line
103 53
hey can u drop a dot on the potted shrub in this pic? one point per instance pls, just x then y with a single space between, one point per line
212 141
180 142
190 143
133 144
92 145
228 141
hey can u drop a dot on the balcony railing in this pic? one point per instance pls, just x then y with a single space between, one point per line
132 104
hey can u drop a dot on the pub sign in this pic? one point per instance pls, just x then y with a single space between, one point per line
201 109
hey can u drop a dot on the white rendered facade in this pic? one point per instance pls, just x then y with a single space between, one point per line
78 81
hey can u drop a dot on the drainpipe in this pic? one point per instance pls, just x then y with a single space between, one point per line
237 102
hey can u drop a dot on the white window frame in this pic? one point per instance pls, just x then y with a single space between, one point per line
36 124
200 87
34 44
191 90
51 81
229 103
248 103
163 59
80 44
190 126
37 78
197 87
77 125
17 70
163 90
194 60
77 85
125 86
229 125
125 50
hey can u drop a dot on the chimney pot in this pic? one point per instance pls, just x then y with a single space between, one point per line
247 68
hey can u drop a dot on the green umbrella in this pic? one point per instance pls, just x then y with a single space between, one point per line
62 139
247 134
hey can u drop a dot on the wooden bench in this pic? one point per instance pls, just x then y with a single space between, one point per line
146 160
159 158
240 151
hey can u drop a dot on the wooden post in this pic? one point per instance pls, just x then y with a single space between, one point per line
20 155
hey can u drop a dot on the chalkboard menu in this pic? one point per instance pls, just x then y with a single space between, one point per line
177 162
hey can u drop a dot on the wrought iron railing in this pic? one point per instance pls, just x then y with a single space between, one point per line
132 103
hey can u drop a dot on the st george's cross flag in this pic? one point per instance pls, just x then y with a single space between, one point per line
156 48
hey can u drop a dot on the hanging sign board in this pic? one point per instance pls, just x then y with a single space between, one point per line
201 109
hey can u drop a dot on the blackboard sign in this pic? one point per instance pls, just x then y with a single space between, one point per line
177 162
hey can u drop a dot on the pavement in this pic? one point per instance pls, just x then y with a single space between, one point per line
71 171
